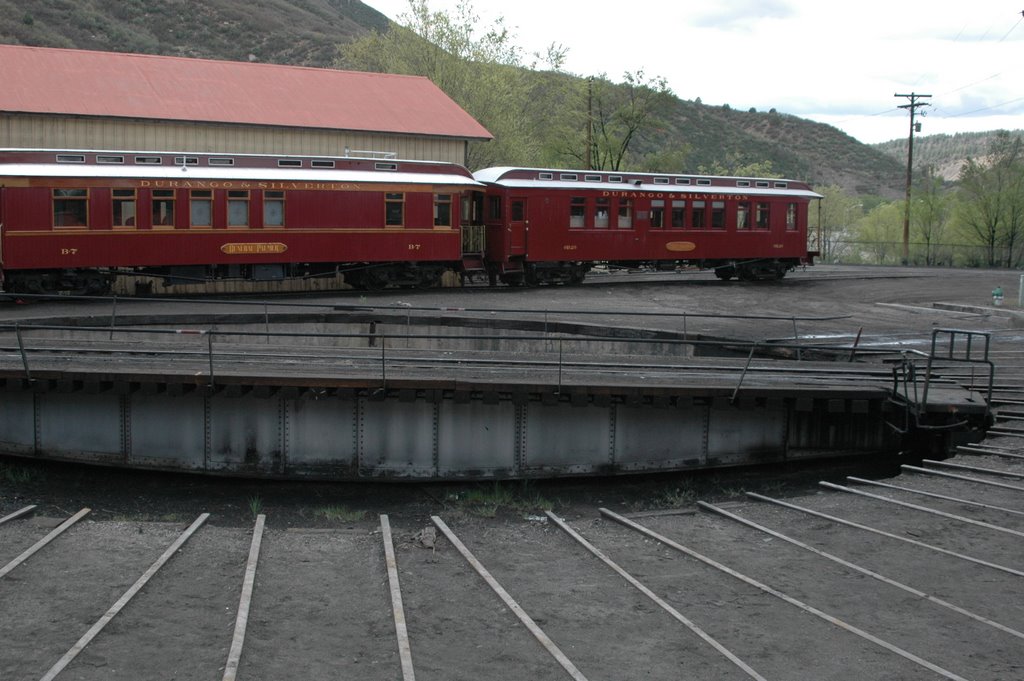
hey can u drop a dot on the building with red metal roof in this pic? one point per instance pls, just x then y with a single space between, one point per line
78 99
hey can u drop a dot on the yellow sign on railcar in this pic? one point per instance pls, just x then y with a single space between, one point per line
680 246
253 248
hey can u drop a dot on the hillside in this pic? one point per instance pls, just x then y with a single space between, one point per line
308 33
945 153
302 32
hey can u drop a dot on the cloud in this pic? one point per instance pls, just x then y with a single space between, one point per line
740 14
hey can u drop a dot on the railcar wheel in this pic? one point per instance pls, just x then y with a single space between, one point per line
725 273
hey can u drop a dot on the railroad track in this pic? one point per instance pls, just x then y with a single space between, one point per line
917 577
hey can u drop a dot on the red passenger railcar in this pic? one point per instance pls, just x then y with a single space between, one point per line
72 220
547 225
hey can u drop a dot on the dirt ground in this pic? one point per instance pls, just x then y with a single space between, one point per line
321 607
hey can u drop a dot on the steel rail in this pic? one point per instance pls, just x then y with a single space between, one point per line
660 602
397 609
967 478
889 535
979 451
933 495
121 602
861 569
923 509
974 469
50 536
17 514
244 602
507 599
831 619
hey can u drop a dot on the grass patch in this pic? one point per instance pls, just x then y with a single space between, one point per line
338 514
486 501
20 475
669 496
255 505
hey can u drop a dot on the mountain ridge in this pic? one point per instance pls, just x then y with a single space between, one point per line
308 32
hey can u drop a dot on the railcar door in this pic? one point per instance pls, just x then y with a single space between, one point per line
518 223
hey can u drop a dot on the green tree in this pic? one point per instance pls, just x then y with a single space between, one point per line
832 226
931 211
991 196
480 68
618 115
880 234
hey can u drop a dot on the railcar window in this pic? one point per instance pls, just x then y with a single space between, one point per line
679 214
289 163
601 216
657 214
273 209
186 160
149 160
70 158
682 180
762 215
742 183
615 178
781 185
70 207
577 211
546 176
394 209
704 183
442 210
661 180
699 214
591 178
163 208
123 212
760 183
201 208
218 161
493 207
518 210
791 217
718 215
321 164
743 215
385 166
110 159
238 208
626 214
571 177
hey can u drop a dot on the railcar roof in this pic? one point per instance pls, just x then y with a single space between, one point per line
186 173
46 80
526 178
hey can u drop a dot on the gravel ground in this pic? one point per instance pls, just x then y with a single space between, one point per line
321 605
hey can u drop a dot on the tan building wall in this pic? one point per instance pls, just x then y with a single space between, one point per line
34 131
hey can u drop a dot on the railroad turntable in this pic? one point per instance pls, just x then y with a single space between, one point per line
385 393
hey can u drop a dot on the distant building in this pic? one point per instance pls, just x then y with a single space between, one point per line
77 99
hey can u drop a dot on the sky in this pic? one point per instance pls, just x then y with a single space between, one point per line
836 63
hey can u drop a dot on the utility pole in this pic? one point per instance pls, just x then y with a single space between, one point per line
912 107
590 123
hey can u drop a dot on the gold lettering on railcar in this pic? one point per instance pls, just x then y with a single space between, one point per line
680 246
253 248
230 184
677 195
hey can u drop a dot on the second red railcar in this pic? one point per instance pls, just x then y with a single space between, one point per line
548 225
